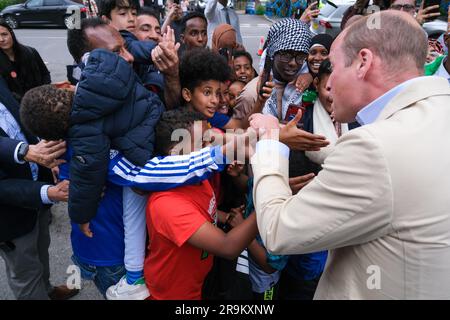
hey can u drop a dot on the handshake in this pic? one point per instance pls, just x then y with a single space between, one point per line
241 147
268 127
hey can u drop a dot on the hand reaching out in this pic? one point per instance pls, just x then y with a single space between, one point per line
298 139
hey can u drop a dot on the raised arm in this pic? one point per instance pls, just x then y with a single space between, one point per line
164 173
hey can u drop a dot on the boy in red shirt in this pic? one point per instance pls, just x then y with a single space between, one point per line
180 223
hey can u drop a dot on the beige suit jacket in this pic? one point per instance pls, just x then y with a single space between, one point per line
381 204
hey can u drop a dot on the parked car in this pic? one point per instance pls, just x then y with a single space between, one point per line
331 15
42 13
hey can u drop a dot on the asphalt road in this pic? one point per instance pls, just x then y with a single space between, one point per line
51 44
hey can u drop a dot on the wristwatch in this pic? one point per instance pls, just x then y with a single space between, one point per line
22 151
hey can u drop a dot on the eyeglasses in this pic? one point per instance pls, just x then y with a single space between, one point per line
288 56
405 7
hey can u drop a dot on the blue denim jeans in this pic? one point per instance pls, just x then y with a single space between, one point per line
103 277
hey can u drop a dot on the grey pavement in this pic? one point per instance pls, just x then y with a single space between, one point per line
51 44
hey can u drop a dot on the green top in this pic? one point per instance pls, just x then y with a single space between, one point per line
432 67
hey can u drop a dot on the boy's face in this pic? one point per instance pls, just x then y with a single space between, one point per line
243 69
324 92
108 38
204 98
123 18
224 99
234 92
195 34
148 28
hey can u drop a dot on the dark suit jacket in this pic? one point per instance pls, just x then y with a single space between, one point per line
20 197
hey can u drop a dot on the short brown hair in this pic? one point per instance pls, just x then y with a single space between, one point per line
45 112
400 39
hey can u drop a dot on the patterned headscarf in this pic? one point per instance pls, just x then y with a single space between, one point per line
288 34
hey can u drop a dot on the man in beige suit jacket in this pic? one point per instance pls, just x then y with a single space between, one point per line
381 204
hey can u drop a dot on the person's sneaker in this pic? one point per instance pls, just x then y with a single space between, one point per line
124 291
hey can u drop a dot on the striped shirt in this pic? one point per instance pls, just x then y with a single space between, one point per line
164 173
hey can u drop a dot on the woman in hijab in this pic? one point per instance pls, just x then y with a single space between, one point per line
224 36
318 52
21 66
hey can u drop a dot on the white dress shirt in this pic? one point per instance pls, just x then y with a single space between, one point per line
216 14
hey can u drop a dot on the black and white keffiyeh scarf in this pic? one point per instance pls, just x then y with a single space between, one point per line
288 34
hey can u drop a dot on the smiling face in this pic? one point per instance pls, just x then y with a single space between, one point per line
224 99
148 28
204 98
316 55
243 69
287 64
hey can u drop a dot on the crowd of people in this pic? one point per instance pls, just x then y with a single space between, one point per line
150 138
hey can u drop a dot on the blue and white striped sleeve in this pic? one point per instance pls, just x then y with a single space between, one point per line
163 173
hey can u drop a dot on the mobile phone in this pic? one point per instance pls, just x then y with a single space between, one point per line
266 74
224 52
293 110
315 7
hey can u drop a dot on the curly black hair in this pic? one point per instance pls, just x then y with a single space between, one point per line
45 111
181 118
189 16
242 53
201 65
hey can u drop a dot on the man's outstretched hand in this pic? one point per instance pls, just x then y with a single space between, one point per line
298 139
289 134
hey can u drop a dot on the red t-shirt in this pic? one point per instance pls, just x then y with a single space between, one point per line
175 270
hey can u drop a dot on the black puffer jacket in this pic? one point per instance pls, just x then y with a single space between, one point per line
111 110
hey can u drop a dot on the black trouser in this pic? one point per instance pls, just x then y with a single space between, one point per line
295 289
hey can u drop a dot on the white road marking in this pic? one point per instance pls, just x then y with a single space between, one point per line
259 25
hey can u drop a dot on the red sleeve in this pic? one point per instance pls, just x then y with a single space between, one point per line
174 217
